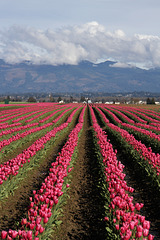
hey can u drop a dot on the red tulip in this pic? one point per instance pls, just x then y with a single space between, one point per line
3 234
117 226
29 234
41 229
150 237
14 234
45 220
145 232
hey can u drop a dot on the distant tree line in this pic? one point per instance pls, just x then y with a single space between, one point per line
150 100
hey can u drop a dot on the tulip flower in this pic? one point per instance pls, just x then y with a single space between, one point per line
118 188
150 237
3 234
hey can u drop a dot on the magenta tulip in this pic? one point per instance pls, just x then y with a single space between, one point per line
3 234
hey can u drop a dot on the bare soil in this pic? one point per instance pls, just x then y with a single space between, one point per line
84 212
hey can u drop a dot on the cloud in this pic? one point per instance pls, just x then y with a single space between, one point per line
121 65
71 44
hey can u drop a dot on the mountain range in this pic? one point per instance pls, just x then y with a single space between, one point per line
26 77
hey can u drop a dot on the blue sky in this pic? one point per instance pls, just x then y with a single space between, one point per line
68 31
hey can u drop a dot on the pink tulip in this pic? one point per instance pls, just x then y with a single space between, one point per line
132 224
45 220
41 229
9 238
3 234
117 226
24 221
117 186
106 219
145 232
32 225
29 234
150 237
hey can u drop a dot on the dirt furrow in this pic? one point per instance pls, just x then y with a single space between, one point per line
84 212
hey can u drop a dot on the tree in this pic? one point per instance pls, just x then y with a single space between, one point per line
82 99
59 99
150 101
71 99
31 99
51 99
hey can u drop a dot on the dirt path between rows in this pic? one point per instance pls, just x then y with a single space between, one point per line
84 212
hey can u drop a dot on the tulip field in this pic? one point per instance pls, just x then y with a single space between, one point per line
79 171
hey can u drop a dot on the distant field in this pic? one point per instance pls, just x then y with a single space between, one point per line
14 103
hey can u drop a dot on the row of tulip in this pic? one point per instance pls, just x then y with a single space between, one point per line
27 107
138 109
127 112
125 118
26 112
18 136
60 116
65 109
146 153
6 125
127 221
34 225
69 120
113 116
144 131
155 127
151 113
102 114
146 117
44 201
36 113
141 116
51 115
137 126
135 117
13 115
11 167
9 112
152 158
144 123
138 121
4 115
17 129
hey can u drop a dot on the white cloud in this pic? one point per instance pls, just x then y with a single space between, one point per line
70 45
121 65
